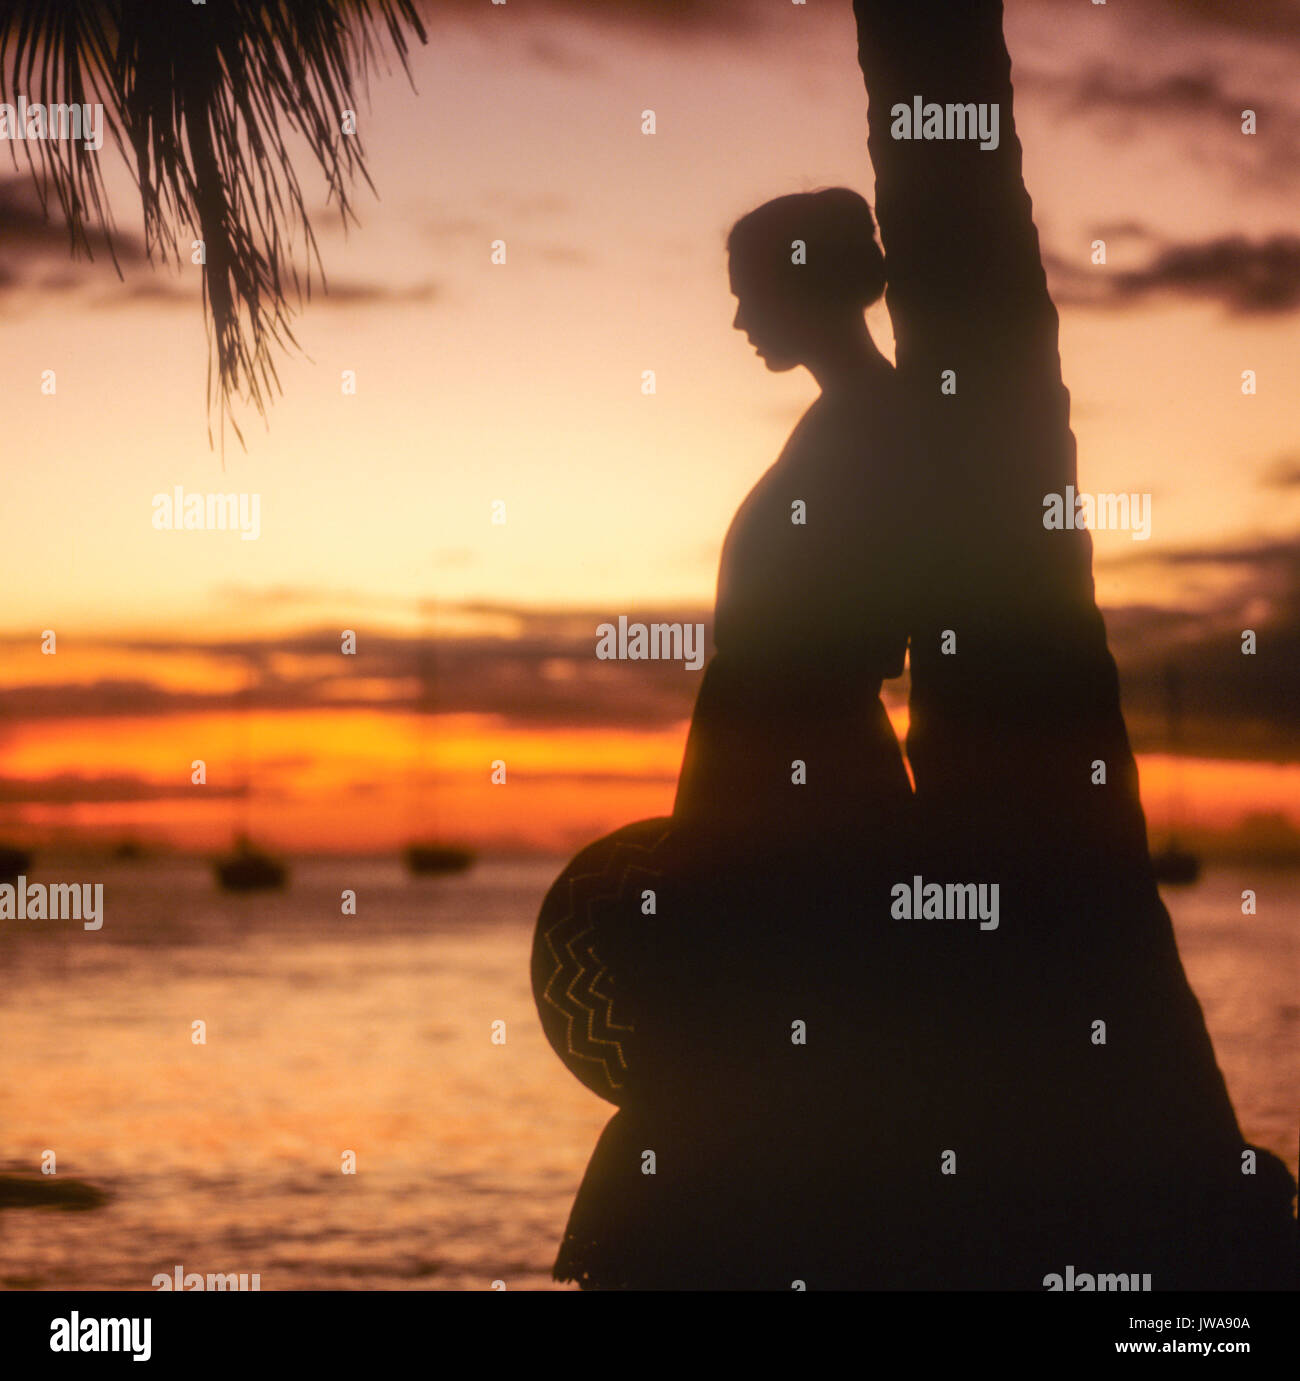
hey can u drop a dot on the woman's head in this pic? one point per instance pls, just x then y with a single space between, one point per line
803 268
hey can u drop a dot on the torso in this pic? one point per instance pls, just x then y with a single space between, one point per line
808 622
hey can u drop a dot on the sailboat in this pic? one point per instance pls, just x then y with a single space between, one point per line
247 868
23 1188
425 860
1174 864
431 856
13 861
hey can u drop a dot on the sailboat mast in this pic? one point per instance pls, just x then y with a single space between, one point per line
424 809
241 816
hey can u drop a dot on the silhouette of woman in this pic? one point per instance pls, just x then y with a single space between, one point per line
707 972
806 1091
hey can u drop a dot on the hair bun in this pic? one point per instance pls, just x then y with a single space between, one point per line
836 225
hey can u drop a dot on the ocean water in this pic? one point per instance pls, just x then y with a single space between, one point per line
371 1034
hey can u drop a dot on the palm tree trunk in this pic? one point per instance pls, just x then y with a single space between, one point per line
1013 709
1014 717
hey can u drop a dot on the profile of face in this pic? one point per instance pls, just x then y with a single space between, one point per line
805 309
783 327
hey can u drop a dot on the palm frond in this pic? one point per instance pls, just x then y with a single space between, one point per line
204 103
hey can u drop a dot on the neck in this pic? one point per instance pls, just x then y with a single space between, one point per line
848 361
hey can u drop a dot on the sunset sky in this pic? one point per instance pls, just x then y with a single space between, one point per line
522 383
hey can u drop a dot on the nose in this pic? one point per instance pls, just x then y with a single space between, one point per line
737 323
